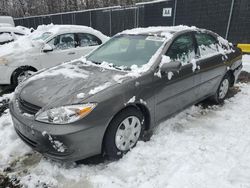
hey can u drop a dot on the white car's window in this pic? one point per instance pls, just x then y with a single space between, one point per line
62 42
207 44
182 49
86 39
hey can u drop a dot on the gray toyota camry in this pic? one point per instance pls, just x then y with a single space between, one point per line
106 102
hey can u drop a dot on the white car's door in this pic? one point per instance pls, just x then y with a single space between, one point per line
86 43
63 50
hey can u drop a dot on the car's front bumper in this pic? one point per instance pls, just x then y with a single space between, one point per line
59 142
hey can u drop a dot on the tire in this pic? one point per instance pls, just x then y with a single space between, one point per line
15 79
222 90
118 139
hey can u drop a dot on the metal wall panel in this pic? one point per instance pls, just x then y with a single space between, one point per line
82 18
123 19
212 15
153 14
101 21
56 19
239 31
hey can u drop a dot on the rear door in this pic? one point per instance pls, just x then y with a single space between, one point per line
210 64
176 90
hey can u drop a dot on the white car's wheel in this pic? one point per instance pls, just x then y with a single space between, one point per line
21 74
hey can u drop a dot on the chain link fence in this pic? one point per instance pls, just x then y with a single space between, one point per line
229 18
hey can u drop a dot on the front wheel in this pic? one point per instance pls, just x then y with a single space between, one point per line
20 75
222 90
123 132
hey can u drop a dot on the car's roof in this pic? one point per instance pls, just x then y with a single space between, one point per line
61 29
159 30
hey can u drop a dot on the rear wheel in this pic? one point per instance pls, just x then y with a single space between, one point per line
123 132
222 90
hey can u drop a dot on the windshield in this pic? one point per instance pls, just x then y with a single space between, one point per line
127 50
42 36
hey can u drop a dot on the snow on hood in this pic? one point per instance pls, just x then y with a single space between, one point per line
67 80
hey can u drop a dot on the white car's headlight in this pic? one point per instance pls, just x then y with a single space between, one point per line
3 61
65 114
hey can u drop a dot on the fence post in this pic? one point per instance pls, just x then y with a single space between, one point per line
175 8
229 19
90 19
110 22
138 14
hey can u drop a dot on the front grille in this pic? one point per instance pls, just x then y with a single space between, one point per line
31 143
27 107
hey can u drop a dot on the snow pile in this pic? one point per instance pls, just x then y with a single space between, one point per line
11 146
5 37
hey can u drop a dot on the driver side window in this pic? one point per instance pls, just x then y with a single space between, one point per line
63 42
182 49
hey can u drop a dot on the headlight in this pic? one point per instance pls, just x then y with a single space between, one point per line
65 114
3 61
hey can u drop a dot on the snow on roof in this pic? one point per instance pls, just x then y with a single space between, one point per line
162 30
55 29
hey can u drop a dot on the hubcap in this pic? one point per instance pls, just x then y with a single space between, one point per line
24 75
128 133
223 89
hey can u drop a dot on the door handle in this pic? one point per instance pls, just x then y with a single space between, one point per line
71 53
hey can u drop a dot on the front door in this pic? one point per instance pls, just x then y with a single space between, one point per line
175 90
64 49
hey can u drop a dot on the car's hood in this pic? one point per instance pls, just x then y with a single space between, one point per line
19 49
68 83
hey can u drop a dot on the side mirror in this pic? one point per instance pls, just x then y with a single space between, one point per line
171 66
47 48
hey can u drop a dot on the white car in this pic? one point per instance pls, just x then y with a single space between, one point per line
10 34
46 47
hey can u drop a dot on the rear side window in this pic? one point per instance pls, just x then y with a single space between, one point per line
85 39
63 42
207 44
182 49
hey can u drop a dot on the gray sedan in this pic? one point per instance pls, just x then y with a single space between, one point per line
106 102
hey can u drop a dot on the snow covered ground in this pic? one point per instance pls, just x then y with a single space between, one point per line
198 148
